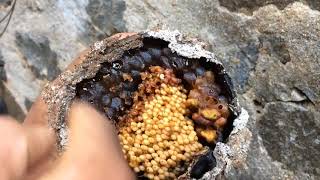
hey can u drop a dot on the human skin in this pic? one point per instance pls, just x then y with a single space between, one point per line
28 151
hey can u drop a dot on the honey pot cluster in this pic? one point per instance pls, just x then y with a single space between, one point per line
157 136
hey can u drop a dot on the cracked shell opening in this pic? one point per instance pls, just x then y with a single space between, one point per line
170 110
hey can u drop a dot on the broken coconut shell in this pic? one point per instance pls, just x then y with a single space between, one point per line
110 55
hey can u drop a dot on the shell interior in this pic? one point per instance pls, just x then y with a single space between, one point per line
114 92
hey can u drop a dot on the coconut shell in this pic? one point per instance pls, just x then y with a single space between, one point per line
57 96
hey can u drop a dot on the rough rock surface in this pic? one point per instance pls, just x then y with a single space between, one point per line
271 51
248 6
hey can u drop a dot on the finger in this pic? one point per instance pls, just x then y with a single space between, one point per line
93 151
41 139
23 149
41 146
38 114
89 126
13 149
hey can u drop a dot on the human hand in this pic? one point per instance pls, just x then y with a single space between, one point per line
28 151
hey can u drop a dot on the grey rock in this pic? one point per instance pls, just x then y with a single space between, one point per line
42 61
248 6
294 66
314 4
296 142
270 48
3 75
44 37
28 103
105 19
9 104
260 163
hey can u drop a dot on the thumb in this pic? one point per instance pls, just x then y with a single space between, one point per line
93 151
90 132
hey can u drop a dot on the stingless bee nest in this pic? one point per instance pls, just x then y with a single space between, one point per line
171 101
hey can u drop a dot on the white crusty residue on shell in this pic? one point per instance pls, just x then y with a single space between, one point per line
240 122
98 45
184 48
